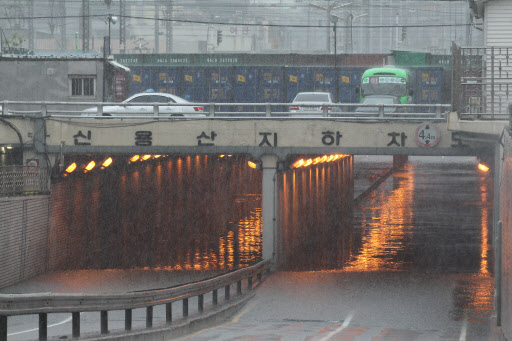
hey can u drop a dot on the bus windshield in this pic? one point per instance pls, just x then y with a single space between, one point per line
393 86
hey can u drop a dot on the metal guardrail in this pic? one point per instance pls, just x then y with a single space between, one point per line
19 180
47 303
228 110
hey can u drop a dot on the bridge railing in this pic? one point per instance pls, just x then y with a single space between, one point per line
21 180
49 303
345 111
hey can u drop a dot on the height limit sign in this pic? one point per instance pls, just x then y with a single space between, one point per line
427 135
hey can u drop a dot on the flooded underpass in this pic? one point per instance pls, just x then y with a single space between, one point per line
409 260
415 262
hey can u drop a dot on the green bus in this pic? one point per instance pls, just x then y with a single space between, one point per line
388 81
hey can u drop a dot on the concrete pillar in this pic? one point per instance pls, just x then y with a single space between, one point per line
399 160
269 206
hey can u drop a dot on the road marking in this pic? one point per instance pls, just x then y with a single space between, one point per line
50 326
463 330
234 320
346 322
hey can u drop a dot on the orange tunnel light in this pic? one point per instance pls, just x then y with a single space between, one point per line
71 168
251 164
317 160
145 157
298 163
134 158
107 162
483 167
90 166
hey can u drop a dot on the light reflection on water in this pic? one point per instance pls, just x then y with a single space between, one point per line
431 216
386 220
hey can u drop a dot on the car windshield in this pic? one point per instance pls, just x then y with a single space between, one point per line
324 98
392 86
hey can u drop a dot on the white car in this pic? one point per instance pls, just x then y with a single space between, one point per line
312 103
145 106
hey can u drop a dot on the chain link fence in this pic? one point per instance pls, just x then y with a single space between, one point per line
23 180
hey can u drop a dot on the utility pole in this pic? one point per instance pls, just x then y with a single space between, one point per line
367 29
85 25
329 9
31 26
468 26
334 20
122 26
157 23
168 27
62 28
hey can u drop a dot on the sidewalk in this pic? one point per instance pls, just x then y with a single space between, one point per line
107 281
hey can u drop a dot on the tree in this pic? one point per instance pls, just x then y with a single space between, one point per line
14 42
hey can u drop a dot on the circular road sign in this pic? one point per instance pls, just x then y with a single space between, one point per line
427 135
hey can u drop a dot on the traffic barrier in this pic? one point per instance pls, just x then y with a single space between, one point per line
50 303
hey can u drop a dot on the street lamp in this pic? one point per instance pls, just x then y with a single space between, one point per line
111 19
351 17
107 46
334 20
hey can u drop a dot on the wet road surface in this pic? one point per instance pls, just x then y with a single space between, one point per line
420 266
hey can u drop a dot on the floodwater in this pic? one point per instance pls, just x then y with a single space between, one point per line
433 215
414 262
410 259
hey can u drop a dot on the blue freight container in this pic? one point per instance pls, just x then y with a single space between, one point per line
166 79
323 79
253 84
349 79
219 82
245 90
193 85
270 89
297 80
140 79
427 86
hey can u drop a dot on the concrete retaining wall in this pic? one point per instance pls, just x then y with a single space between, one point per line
506 218
24 226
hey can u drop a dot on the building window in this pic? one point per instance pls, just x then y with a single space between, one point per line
83 86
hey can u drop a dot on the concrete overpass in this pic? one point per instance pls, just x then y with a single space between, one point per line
269 140
281 136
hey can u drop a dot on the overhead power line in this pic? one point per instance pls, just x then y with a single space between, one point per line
241 23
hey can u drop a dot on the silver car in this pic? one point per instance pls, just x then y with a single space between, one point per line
313 103
143 104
